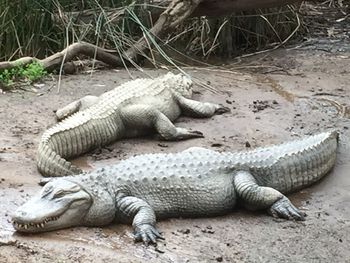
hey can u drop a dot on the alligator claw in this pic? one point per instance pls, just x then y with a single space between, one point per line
222 109
183 134
285 209
147 234
196 133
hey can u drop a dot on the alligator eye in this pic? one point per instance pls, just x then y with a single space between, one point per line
59 194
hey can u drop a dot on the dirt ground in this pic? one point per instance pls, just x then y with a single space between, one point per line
273 97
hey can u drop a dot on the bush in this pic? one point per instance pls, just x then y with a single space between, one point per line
29 73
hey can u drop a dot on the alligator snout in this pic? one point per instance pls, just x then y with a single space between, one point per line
19 215
22 214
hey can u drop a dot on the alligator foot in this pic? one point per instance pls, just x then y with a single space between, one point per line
221 109
147 234
285 209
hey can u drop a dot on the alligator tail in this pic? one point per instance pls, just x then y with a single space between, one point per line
51 164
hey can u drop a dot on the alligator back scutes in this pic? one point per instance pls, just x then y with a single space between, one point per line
71 122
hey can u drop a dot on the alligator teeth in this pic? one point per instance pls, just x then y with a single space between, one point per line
38 225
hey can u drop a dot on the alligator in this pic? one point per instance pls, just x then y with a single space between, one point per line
193 183
132 109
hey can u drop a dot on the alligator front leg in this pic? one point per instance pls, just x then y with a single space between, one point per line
145 116
260 197
144 218
76 106
199 109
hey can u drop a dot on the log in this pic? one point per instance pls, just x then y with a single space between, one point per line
226 7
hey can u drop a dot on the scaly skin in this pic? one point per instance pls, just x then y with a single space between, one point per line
132 109
196 182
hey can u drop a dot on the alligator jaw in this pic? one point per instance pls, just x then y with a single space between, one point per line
33 226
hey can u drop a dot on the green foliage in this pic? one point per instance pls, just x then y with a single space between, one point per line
32 72
28 73
6 77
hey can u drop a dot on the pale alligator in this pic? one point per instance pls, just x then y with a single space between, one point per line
196 182
132 109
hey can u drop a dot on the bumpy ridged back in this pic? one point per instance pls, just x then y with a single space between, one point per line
286 167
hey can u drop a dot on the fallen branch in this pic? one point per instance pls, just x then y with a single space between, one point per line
52 62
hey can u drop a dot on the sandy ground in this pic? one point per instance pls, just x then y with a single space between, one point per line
294 92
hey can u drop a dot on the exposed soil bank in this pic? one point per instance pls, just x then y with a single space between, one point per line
296 92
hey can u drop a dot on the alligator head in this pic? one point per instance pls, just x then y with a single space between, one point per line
60 204
180 83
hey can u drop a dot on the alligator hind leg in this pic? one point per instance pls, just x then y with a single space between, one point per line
199 109
76 106
259 197
145 116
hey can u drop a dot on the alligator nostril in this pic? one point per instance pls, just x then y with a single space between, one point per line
22 213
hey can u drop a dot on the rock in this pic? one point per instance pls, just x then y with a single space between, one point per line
7 240
219 259
184 231
208 230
